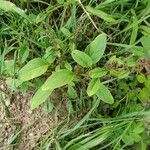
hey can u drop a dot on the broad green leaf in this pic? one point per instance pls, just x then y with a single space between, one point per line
9 6
93 87
39 97
33 69
98 72
82 58
58 79
97 47
104 94
106 17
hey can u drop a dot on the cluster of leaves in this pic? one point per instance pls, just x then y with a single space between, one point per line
100 70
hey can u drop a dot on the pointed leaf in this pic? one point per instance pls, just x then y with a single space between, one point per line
104 94
97 47
93 87
39 97
33 69
82 58
58 79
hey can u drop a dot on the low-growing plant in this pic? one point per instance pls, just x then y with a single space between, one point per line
95 55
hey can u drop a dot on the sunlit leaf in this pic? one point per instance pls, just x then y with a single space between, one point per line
82 58
104 94
98 72
97 47
58 79
93 87
39 97
34 68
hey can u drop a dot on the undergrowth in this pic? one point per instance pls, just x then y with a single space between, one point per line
95 55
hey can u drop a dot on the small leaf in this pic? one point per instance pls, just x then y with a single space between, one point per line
58 79
96 48
93 87
144 94
50 55
98 72
71 92
106 17
141 78
39 97
33 69
82 58
104 94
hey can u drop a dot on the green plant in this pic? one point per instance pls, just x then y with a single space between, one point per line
95 56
